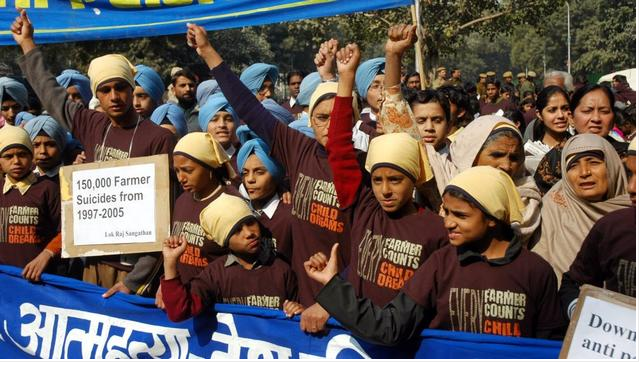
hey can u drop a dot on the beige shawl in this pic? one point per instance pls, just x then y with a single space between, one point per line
462 155
567 219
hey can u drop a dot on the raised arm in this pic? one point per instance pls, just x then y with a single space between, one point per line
401 38
51 94
239 96
347 177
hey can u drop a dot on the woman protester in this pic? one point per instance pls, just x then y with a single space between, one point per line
593 185
486 260
550 129
592 109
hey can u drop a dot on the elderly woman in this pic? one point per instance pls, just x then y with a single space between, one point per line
593 184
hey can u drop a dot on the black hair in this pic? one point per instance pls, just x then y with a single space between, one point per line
294 73
516 116
580 93
546 94
460 98
412 74
620 78
187 73
431 96
527 94
493 81
247 220
528 100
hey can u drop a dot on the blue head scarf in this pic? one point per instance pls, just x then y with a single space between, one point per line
253 76
73 143
278 111
150 81
23 117
50 127
15 90
259 147
302 125
72 77
213 105
174 114
206 89
365 74
245 134
307 87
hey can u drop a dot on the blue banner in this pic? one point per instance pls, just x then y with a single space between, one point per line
80 20
65 318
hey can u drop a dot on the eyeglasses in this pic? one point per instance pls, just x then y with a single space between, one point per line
321 120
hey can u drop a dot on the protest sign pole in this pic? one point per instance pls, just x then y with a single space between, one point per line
415 18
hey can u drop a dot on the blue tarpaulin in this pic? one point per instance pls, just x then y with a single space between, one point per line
79 20
66 318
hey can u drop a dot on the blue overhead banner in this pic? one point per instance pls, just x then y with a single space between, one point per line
58 21
65 318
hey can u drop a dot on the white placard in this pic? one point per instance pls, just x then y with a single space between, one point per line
604 331
114 205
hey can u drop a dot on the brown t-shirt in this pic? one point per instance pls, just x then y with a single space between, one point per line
279 226
200 250
608 254
386 251
513 296
319 221
267 286
28 222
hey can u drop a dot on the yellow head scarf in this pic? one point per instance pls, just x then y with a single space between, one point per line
109 67
632 147
400 151
330 88
201 147
222 215
11 136
493 190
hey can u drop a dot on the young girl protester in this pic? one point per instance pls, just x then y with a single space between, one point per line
550 129
318 220
29 208
251 274
484 282
202 168
261 177
390 236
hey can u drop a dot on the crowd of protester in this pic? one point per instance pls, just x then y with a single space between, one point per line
478 207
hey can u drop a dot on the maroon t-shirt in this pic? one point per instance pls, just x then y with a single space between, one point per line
279 226
200 250
491 108
90 128
319 221
28 222
386 251
608 254
266 286
514 297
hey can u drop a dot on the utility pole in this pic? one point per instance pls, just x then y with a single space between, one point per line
568 38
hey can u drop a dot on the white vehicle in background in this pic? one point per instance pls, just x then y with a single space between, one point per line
630 74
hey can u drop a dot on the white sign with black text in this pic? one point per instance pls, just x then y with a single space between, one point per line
114 205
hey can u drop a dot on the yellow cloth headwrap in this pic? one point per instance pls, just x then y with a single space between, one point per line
328 88
109 67
205 149
220 217
402 151
493 189
632 146
11 136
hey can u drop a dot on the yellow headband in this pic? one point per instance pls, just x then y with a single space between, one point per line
330 88
222 215
493 189
109 67
402 151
